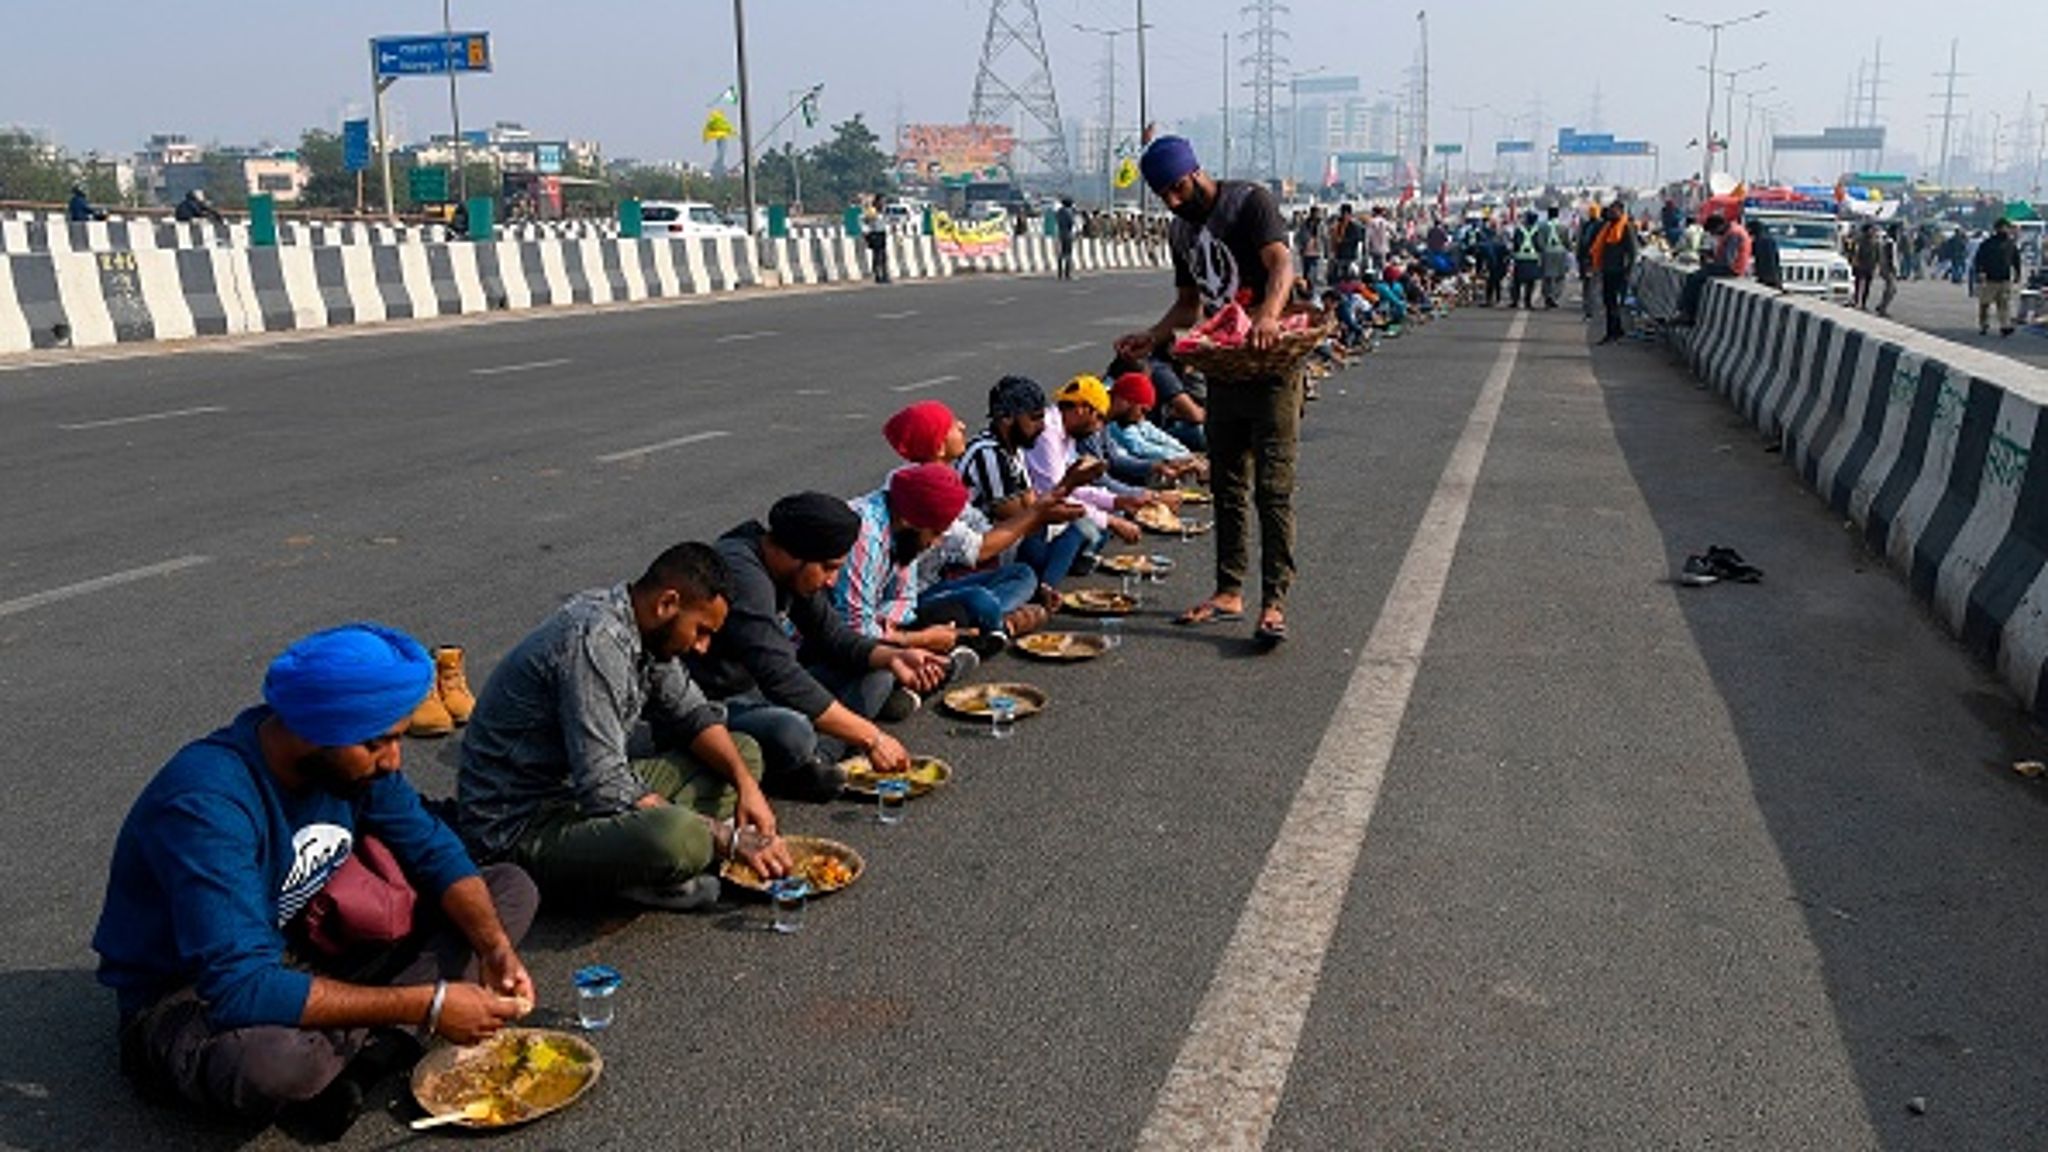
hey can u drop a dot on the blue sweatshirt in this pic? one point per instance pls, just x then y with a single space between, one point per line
216 857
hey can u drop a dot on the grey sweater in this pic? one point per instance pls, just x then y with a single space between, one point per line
552 722
770 634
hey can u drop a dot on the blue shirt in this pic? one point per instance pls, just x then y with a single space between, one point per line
216 857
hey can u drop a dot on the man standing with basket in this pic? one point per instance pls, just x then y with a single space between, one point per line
1228 238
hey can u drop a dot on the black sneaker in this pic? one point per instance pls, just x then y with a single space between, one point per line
1697 573
1728 564
693 894
901 705
816 781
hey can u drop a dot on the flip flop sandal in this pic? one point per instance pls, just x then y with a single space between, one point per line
1206 613
1271 635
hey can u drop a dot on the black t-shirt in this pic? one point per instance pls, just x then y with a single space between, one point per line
1222 254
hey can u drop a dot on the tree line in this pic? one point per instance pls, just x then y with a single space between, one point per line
844 169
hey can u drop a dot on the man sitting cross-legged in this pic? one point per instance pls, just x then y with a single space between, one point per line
243 988
790 671
546 779
970 576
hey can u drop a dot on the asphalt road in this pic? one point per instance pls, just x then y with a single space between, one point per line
1645 867
1947 310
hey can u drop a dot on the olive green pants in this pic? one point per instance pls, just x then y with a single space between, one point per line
590 857
1254 428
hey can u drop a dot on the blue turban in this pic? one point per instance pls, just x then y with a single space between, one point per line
1014 396
1166 160
348 684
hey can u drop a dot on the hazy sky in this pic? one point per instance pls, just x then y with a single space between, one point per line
98 74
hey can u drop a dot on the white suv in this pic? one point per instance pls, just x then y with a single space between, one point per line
1809 253
682 218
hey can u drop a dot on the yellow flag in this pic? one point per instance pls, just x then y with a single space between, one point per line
717 127
1126 172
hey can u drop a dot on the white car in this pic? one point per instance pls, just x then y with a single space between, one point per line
683 219
1809 253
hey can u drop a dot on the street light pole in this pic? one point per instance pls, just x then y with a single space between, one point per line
1226 105
739 39
1469 110
1109 129
1713 29
1144 107
454 105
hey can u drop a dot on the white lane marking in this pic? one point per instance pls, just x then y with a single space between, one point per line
920 385
204 410
1232 1069
896 315
1002 300
535 366
1063 349
37 600
678 442
737 337
812 392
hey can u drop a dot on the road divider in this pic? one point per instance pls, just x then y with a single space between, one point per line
63 297
1937 453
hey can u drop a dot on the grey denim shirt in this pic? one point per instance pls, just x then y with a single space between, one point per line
552 722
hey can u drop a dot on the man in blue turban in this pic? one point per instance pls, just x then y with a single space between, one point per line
229 1001
1229 243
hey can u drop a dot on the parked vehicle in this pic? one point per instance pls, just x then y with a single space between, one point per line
683 219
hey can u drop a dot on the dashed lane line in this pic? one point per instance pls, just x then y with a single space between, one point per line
145 418
22 604
665 445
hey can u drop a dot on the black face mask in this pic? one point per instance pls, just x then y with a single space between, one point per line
905 546
1195 208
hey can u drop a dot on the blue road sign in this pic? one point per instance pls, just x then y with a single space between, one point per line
1511 147
355 145
432 55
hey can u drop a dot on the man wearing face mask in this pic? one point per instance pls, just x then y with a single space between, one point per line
791 673
228 846
547 780
1228 237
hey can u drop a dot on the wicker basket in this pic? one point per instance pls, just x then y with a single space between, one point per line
1283 359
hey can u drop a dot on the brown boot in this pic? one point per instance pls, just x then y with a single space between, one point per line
431 717
451 684
1026 620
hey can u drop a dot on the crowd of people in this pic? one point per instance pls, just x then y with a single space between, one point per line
287 921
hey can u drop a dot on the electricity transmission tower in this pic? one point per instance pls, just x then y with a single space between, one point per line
1266 64
1947 115
1015 81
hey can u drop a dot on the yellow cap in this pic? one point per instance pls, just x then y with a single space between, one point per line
1087 390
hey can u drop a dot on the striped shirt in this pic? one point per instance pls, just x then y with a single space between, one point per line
873 592
993 473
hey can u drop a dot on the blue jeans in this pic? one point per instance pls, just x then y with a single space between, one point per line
1050 558
786 736
984 597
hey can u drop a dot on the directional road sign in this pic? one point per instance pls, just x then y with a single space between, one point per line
435 55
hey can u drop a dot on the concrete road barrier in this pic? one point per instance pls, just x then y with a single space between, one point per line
66 297
1938 453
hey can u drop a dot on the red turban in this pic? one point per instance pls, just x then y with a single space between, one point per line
918 433
927 496
1136 388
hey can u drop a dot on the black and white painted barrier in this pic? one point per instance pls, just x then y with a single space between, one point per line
72 299
1937 452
